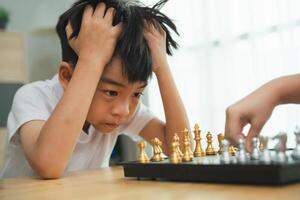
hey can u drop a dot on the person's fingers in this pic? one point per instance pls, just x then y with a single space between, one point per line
100 10
87 13
233 126
69 30
253 132
109 15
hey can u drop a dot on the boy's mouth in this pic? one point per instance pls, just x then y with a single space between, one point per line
111 125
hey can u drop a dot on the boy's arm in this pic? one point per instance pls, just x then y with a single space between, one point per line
256 108
49 145
175 114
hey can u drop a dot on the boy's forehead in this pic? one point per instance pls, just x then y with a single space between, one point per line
114 72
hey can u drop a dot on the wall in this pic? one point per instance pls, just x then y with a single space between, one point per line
36 20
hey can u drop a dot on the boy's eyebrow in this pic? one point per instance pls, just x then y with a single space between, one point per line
113 82
143 86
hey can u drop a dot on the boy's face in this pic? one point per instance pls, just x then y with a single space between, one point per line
115 100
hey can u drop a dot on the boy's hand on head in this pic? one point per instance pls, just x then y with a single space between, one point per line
156 39
97 36
255 110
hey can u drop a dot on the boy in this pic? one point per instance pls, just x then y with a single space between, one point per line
257 107
109 50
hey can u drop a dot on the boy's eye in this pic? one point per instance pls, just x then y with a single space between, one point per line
111 93
137 94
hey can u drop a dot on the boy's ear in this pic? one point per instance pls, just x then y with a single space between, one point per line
65 74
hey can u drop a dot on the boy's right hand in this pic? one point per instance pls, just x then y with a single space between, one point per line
97 36
255 109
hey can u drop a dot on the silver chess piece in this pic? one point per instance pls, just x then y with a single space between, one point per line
280 147
265 155
296 151
255 150
225 156
241 155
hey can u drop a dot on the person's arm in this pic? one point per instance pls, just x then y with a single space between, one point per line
48 145
175 114
256 108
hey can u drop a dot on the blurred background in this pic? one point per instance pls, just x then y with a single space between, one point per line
228 48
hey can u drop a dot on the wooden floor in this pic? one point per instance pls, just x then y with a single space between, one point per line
110 183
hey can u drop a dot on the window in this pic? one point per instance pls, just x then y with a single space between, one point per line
228 49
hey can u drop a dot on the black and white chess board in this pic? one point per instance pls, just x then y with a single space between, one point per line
211 169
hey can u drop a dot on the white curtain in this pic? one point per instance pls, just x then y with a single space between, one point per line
228 48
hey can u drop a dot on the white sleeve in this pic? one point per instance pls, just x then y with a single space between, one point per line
28 104
140 119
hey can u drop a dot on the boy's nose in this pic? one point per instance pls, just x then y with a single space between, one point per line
121 109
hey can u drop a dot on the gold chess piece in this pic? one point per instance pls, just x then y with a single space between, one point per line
198 149
209 149
261 143
143 158
174 157
157 151
187 154
232 150
176 140
220 139
187 137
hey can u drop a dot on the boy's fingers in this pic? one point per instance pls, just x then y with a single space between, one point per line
69 30
109 15
87 13
100 10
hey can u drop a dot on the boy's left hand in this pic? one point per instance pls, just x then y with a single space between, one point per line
156 39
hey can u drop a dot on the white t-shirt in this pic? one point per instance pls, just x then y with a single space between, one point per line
36 101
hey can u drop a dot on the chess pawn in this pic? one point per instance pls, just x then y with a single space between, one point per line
176 140
142 158
186 153
296 151
255 150
225 156
187 137
209 149
157 151
221 147
280 147
241 155
174 157
198 149
265 155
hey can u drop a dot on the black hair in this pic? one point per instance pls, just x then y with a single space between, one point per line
131 46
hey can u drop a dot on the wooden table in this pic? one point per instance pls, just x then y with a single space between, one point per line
110 183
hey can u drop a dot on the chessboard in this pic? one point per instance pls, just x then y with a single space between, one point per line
210 169
228 164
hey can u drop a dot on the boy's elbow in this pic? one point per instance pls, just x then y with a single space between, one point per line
50 174
48 170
